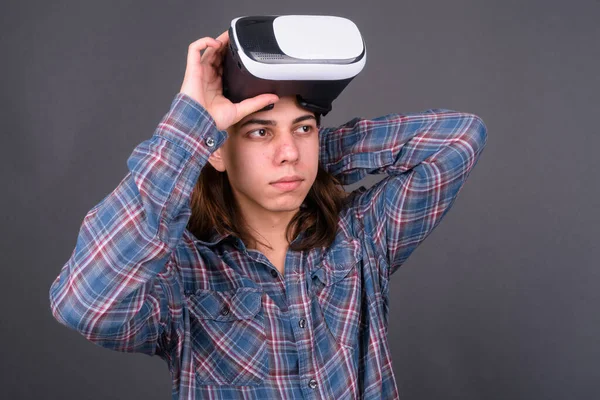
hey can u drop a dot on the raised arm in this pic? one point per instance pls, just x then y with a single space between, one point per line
119 288
427 157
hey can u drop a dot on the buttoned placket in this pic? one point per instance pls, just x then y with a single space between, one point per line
296 288
299 309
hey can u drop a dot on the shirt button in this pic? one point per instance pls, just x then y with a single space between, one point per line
225 310
312 384
302 323
210 142
274 273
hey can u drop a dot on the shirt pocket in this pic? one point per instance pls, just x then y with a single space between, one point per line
337 287
227 330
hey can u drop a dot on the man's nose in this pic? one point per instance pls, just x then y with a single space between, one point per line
287 148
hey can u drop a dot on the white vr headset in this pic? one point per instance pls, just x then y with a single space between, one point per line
313 57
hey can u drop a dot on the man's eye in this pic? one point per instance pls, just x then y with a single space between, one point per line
258 130
310 128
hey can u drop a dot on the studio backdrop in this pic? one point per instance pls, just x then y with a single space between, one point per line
499 302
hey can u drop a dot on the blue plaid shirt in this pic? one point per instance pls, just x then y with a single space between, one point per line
227 323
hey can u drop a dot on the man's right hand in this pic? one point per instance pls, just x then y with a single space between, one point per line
202 82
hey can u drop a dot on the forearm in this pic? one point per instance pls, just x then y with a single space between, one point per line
391 144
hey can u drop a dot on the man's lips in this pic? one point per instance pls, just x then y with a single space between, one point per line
286 179
287 185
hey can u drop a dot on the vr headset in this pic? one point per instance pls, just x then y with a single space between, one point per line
312 57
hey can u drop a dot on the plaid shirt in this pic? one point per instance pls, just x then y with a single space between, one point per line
227 323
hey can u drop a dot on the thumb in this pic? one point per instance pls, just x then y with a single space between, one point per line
254 104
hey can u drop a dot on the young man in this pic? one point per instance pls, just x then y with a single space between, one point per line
230 251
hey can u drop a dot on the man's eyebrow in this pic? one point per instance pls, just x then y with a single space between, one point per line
274 123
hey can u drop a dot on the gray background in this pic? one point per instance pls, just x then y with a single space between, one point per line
500 302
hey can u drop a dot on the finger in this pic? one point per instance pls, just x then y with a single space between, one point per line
218 68
218 54
224 37
211 53
217 58
217 61
195 48
214 56
254 104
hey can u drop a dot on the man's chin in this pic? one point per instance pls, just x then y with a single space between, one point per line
284 206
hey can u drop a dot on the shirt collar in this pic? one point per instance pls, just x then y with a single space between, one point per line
216 237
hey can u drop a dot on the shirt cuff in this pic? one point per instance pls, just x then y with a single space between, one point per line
189 125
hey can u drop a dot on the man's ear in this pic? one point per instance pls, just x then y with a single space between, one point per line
216 160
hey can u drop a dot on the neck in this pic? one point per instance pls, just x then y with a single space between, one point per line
270 228
267 226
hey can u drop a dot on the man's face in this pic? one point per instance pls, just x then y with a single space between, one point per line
256 154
